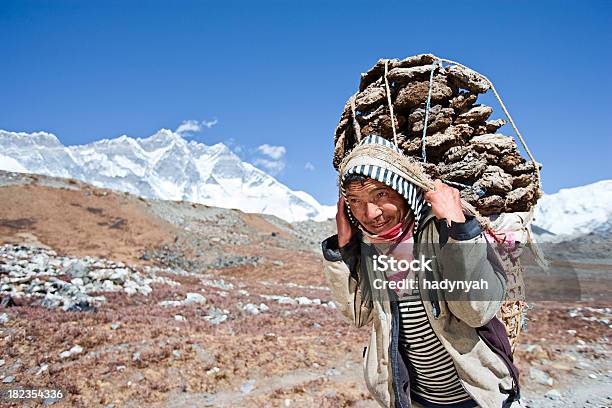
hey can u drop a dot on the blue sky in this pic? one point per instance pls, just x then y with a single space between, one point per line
278 73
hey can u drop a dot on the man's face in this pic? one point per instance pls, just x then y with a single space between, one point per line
375 205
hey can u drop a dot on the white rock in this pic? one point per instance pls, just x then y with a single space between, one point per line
170 303
76 269
220 284
330 304
109 286
216 316
4 318
40 261
76 349
120 274
332 372
42 369
73 350
533 348
251 309
540 377
247 386
194 298
213 370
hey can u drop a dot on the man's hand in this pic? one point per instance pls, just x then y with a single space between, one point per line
445 202
345 228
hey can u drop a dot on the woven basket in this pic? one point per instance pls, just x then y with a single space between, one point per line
513 310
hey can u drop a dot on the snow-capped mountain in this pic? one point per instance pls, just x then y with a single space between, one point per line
577 211
164 166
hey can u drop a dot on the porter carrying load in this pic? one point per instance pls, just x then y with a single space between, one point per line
427 107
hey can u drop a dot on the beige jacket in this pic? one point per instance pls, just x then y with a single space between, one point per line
481 369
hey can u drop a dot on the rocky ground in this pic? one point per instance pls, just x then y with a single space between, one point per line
183 305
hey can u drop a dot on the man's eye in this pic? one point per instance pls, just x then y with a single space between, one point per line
382 194
356 203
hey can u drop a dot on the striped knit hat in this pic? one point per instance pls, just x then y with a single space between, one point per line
380 169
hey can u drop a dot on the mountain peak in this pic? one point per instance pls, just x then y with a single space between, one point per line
164 166
166 134
220 149
163 136
23 139
577 210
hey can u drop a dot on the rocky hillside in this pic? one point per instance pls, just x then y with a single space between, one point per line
125 302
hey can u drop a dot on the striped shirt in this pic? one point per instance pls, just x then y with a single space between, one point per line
433 377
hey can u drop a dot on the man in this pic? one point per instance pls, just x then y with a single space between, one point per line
428 347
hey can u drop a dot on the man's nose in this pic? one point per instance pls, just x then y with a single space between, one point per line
373 211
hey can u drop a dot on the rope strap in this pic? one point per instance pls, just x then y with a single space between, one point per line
478 190
388 92
356 126
427 105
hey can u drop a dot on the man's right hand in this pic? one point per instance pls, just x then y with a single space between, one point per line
345 228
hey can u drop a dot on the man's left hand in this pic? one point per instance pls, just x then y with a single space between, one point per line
445 202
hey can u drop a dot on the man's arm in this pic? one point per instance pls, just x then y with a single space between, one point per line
466 256
342 271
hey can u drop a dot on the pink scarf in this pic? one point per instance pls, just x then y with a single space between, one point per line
402 233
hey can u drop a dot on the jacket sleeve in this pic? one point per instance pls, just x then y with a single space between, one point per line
341 270
465 255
